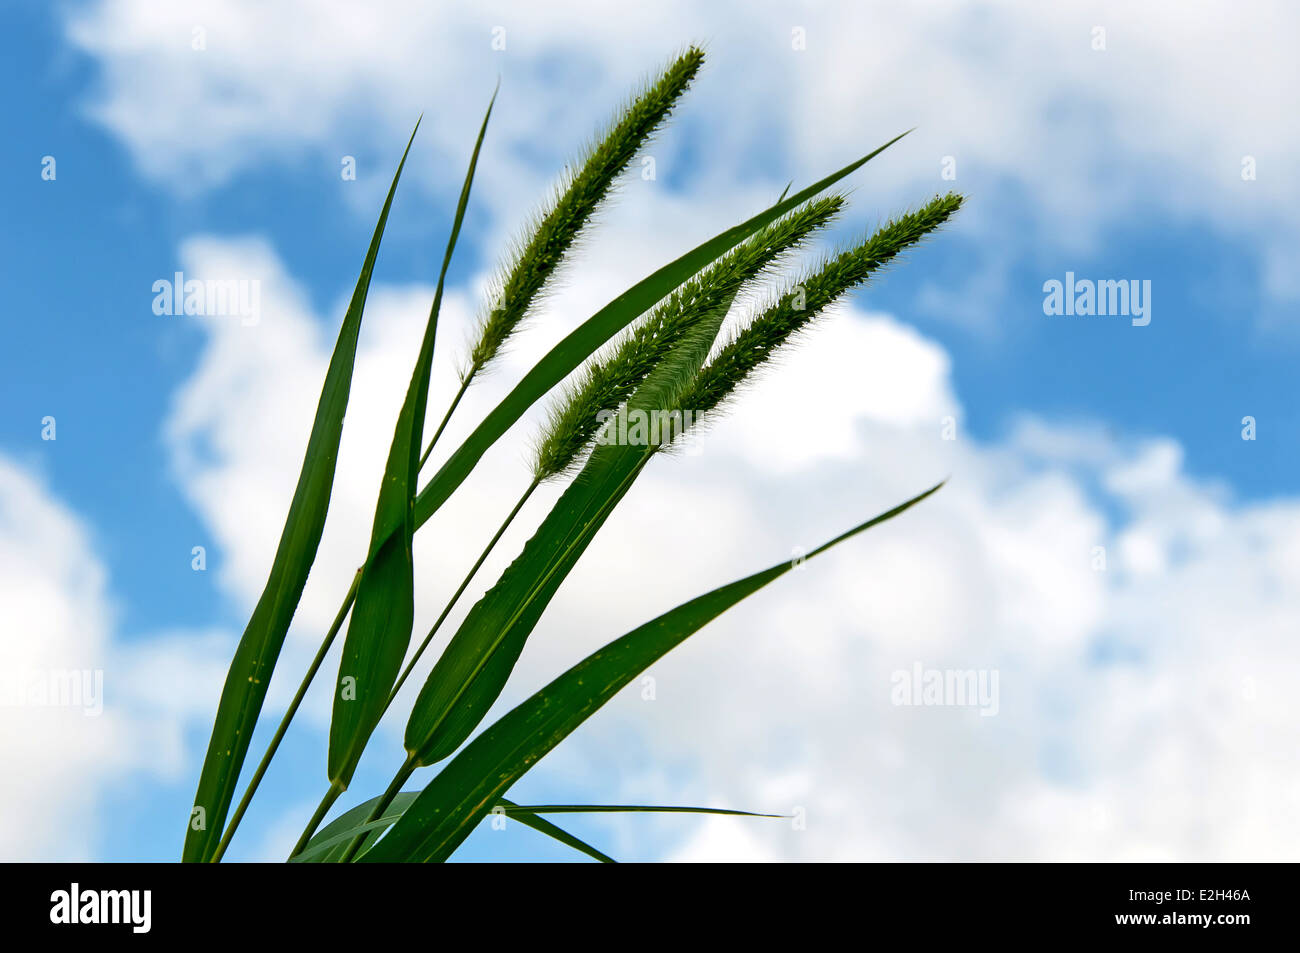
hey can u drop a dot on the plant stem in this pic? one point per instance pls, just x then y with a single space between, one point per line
460 591
464 386
405 771
322 809
409 766
288 717
553 566
325 645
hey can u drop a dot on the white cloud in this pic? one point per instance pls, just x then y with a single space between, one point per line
1044 128
56 617
1143 709
131 702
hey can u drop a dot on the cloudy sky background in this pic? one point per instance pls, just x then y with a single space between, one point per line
1145 711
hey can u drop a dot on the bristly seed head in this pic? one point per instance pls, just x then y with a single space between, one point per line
794 310
588 183
606 384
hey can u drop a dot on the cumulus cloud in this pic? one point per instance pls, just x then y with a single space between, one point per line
1140 619
1136 617
1139 702
1064 117
81 709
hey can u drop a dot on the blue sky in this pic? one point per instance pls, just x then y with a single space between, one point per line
1082 184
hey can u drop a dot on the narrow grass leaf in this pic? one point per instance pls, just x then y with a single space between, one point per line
379 632
473 669
331 842
458 797
605 384
624 809
753 345
259 648
587 338
540 824
480 657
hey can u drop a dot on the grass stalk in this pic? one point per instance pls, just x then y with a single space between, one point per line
403 773
752 346
557 564
469 576
292 710
464 386
464 584
322 809
605 384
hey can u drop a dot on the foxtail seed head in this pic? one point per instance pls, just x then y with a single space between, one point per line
801 303
588 182
606 384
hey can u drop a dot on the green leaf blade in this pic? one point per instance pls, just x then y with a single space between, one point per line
379 632
626 809
450 806
330 843
250 671
542 825
474 668
592 334
472 671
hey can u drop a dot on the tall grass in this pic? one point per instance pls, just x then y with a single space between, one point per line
654 349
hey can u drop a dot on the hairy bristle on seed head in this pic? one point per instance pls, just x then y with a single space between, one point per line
606 383
796 308
587 183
